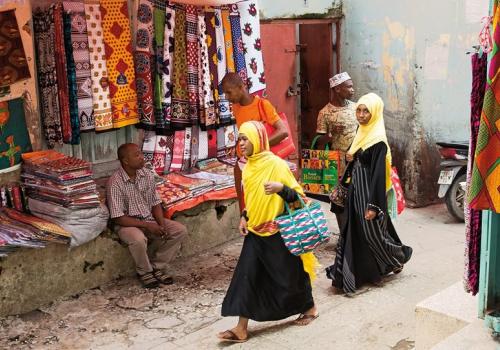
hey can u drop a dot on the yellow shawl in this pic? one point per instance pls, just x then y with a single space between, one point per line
263 166
374 132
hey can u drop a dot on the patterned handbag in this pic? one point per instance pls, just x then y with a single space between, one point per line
303 229
338 196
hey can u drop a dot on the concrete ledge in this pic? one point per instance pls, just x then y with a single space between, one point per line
30 278
443 314
474 336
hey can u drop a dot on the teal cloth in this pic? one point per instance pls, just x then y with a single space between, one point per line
73 90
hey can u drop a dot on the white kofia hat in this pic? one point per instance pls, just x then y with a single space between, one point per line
338 79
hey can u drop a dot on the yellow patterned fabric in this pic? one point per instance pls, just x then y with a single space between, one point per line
119 61
228 40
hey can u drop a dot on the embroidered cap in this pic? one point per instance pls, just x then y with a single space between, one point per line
338 79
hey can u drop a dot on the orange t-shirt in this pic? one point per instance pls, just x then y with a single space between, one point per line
254 112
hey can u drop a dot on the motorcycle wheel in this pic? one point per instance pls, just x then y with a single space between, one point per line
455 198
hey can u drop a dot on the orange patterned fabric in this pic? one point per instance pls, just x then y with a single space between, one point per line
119 61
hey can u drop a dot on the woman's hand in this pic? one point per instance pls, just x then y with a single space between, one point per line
349 157
273 187
243 227
370 214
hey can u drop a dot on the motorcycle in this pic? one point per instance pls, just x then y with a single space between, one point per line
453 176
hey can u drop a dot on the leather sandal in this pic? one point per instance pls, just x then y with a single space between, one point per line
232 338
304 319
162 278
148 280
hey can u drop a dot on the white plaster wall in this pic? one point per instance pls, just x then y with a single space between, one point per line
290 8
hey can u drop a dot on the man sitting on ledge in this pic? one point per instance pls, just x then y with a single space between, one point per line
135 209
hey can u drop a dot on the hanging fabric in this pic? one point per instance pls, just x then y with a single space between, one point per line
208 116
79 40
159 154
483 191
211 79
99 72
180 98
250 29
203 145
144 64
192 61
221 142
222 103
168 65
186 159
168 153
473 216
238 47
148 146
195 136
120 63
74 137
212 143
228 40
178 154
159 38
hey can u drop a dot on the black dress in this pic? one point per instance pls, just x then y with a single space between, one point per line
367 250
269 283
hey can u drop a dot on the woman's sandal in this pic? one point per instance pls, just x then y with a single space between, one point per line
232 337
304 319
162 278
397 270
148 280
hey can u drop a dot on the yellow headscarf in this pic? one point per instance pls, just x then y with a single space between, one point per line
263 166
373 132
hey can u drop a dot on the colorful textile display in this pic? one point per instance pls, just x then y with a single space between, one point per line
206 89
171 193
203 145
169 150
74 134
238 46
38 223
79 40
212 143
144 64
484 192
14 138
159 18
472 216
13 63
192 60
223 106
159 154
210 21
148 146
98 67
195 135
228 40
178 154
43 23
168 65
120 64
186 159
250 29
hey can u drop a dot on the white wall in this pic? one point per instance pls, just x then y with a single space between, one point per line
291 8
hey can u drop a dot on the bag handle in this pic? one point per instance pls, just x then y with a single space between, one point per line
315 140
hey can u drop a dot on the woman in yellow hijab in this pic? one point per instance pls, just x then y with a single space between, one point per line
369 247
269 283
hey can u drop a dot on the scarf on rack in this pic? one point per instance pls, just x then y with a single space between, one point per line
223 106
159 154
159 17
250 29
178 154
195 136
148 146
228 39
180 98
99 72
144 64
211 120
484 190
373 133
81 56
192 60
212 143
168 65
238 47
169 150
74 136
120 62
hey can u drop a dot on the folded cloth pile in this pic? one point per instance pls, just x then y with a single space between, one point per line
54 177
171 193
23 230
220 182
196 187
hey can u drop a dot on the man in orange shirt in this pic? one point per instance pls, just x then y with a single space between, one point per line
247 107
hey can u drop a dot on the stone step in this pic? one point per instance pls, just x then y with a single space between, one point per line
442 315
474 336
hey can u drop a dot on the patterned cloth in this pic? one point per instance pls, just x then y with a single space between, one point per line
13 133
210 20
203 145
158 42
178 154
103 118
186 159
250 28
73 136
13 63
195 136
472 216
330 117
148 146
192 60
180 103
168 66
168 153
159 154
43 23
484 190
223 106
212 143
144 64
120 63
79 39
228 40
238 47
206 89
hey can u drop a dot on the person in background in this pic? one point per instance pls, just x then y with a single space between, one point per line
269 283
247 107
136 211
337 121
369 247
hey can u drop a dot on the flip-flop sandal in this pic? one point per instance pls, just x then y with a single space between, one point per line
233 338
304 320
397 270
162 278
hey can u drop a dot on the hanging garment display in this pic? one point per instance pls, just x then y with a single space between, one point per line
238 47
206 89
178 154
180 98
43 23
186 159
168 65
483 191
250 29
203 145
192 61
148 146
13 63
14 138
228 39
210 21
159 154
120 63
79 40
223 106
144 64
158 42
74 134
212 143
168 153
99 72
195 135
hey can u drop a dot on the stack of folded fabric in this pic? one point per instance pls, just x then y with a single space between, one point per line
220 181
171 193
196 187
60 179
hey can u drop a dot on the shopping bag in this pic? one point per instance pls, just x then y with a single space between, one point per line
320 169
302 230
398 190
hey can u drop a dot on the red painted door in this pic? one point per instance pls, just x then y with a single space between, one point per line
280 61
